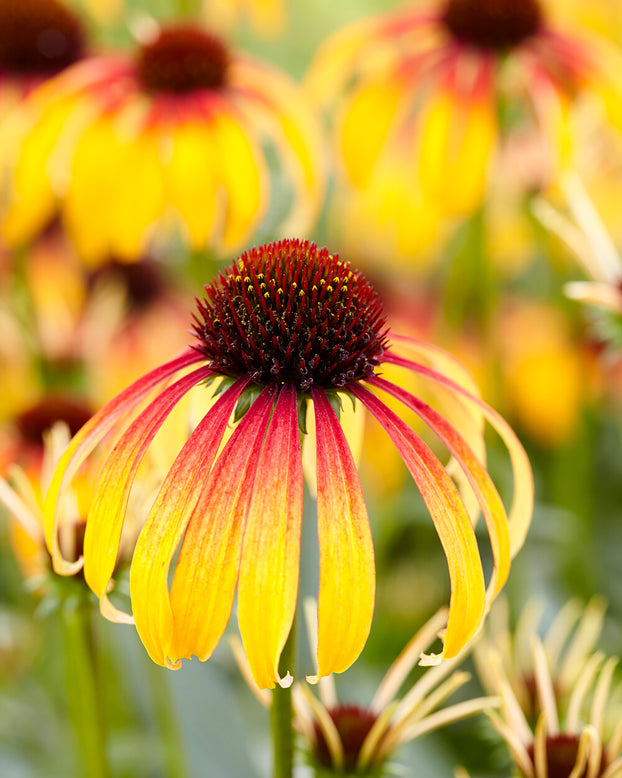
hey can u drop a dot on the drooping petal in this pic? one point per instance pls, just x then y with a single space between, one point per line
242 175
191 180
269 566
283 114
458 135
88 437
519 516
481 483
207 569
32 195
166 524
373 107
452 523
347 572
112 490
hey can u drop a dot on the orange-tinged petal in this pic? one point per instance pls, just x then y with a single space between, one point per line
242 175
519 516
207 569
112 490
269 566
85 441
452 523
166 524
347 572
458 134
483 487
191 181
366 125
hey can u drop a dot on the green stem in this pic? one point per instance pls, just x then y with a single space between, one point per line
281 715
84 699
170 739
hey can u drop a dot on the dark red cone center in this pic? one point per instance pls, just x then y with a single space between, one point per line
181 59
492 24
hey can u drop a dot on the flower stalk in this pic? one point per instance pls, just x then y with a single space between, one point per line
85 697
282 714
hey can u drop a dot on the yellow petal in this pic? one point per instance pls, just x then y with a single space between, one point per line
366 125
458 135
453 525
268 582
347 572
166 524
207 569
32 196
277 105
191 180
242 174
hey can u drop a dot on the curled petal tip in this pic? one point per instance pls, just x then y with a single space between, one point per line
286 681
430 660
312 679
108 611
63 567
170 665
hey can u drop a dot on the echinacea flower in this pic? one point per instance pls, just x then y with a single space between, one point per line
285 327
176 135
436 88
558 716
349 739
39 39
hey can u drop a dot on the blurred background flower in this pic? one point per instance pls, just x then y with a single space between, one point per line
170 137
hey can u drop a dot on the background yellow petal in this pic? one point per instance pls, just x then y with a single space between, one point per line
457 137
191 180
242 174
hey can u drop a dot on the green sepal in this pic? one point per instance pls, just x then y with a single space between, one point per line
247 398
302 403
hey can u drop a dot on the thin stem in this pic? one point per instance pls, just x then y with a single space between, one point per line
84 700
170 739
281 715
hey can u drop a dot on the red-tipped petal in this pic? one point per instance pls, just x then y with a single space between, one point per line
207 570
88 437
481 483
112 490
166 524
454 528
519 516
268 582
347 572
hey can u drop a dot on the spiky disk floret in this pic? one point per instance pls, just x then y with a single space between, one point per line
492 24
289 312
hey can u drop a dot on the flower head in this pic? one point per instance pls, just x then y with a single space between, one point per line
351 739
39 39
435 90
286 327
557 717
172 135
